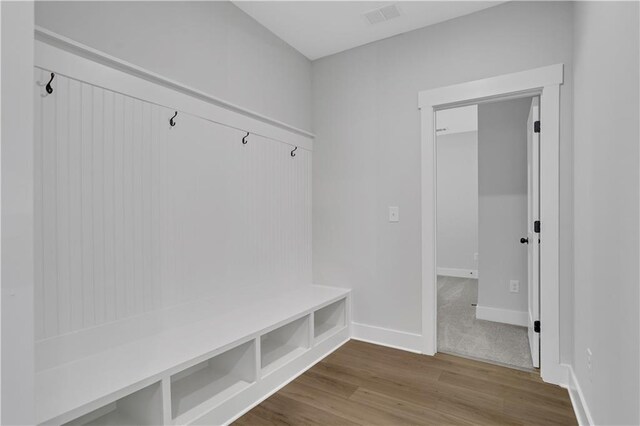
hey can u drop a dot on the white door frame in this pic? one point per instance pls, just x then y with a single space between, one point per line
544 82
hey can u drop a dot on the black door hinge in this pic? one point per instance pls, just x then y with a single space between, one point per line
536 326
536 226
536 127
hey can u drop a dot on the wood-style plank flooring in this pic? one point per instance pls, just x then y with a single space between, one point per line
365 384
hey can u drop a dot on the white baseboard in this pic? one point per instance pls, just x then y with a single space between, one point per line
506 316
459 273
386 337
577 400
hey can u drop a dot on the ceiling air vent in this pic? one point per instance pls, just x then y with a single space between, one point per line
383 14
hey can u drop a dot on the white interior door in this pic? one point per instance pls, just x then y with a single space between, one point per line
533 216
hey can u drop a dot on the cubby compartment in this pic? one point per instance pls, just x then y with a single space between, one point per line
143 408
329 320
209 383
281 345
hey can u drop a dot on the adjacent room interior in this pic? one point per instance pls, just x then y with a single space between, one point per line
482 203
243 212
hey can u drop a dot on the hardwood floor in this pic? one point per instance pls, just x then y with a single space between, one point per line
365 384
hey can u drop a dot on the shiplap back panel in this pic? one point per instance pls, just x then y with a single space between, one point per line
133 215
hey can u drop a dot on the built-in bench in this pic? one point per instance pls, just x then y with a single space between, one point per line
203 362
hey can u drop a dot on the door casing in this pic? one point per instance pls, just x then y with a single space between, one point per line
543 82
533 214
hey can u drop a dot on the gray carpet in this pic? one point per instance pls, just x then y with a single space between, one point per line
459 332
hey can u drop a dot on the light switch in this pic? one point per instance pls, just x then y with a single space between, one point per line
394 214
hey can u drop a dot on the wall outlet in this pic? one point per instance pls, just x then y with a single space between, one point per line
514 286
589 356
394 214
476 256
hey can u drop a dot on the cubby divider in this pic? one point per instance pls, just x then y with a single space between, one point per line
213 381
329 319
279 346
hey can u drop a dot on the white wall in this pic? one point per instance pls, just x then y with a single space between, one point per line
367 154
606 200
211 46
457 201
502 211
17 214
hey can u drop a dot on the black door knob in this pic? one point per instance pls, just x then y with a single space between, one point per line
524 240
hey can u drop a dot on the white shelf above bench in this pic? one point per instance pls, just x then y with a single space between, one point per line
75 388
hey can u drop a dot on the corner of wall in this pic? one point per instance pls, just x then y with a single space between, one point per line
17 385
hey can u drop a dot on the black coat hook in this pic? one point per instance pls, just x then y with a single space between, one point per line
293 153
171 122
49 88
244 139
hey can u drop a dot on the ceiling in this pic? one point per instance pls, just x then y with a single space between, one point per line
322 28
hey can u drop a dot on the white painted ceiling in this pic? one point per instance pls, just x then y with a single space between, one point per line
322 28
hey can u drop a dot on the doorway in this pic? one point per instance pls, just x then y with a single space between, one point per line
486 194
544 82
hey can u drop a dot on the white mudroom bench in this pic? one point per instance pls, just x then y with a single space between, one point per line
203 362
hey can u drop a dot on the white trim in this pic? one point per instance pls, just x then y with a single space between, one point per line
544 82
386 337
59 54
551 369
491 87
580 407
506 316
458 273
